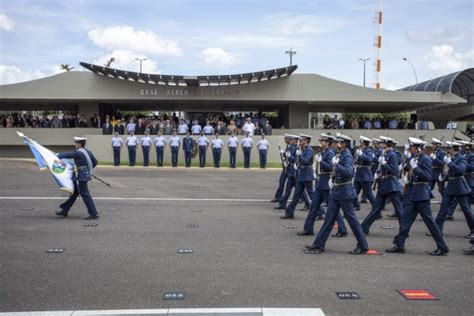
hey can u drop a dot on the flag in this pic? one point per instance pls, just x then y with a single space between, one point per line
61 169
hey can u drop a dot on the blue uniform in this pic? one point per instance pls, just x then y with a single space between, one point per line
321 193
388 188
341 197
438 165
80 179
304 178
282 178
457 190
188 148
363 176
290 177
418 202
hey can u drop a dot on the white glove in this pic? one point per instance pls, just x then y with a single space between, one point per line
433 156
298 152
335 160
359 152
331 184
407 154
376 175
282 151
319 158
447 159
288 154
400 167
413 163
382 160
404 179
440 178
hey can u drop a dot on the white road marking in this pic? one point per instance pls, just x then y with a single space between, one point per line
176 312
113 198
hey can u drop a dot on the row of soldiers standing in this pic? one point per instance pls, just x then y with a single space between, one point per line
405 180
190 148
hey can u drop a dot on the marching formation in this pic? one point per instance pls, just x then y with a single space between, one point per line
405 180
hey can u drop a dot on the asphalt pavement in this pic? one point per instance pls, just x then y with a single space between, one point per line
242 255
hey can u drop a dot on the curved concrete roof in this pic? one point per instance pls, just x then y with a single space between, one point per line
312 90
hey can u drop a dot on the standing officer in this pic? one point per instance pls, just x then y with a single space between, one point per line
174 146
341 197
321 191
145 141
304 179
363 176
132 141
284 170
203 144
438 162
188 144
263 146
247 143
233 143
418 200
160 143
85 162
216 146
389 186
117 143
457 188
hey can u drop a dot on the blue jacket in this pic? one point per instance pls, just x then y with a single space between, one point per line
457 184
469 173
363 166
438 163
305 168
388 181
344 172
188 144
325 169
291 171
82 171
420 181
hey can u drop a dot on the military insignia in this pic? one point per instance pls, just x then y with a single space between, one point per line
58 167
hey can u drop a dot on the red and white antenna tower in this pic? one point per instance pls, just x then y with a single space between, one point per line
378 44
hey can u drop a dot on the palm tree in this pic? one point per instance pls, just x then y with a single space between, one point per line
66 67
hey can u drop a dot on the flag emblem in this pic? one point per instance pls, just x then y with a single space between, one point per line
58 167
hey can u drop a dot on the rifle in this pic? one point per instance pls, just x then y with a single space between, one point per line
283 161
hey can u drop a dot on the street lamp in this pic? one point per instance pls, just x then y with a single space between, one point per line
140 60
291 52
413 67
364 60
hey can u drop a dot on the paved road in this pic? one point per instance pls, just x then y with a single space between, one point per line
243 256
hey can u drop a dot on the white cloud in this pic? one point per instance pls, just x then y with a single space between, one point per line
444 59
125 60
439 35
6 24
125 37
304 24
217 56
12 74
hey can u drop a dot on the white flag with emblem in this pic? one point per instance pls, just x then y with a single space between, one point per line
61 169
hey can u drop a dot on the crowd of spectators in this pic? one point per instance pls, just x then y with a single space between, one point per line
167 125
367 123
67 120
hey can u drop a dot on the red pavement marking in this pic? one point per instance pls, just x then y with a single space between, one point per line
417 294
374 252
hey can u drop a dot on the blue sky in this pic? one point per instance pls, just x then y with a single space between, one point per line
230 36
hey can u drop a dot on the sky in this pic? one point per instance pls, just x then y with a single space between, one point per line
211 37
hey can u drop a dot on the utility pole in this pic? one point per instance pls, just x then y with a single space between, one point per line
364 60
140 60
291 52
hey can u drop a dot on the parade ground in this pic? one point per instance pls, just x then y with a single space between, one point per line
210 237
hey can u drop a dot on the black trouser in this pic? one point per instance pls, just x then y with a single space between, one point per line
83 190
